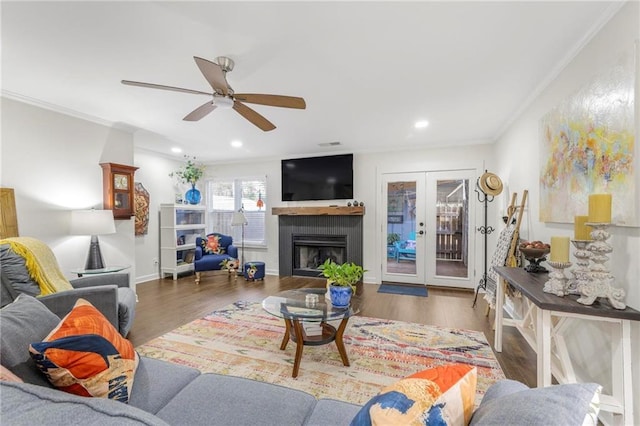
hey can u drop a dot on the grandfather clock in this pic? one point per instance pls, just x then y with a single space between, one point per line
117 189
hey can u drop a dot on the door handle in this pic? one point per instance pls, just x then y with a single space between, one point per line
421 223
421 232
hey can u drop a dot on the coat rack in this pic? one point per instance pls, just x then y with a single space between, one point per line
487 187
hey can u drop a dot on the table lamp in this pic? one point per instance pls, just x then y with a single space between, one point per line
239 219
94 223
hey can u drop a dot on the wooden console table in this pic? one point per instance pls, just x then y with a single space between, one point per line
544 324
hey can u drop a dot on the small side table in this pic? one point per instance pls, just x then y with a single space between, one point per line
105 270
293 308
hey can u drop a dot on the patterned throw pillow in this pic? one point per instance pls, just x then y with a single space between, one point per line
212 245
85 355
443 395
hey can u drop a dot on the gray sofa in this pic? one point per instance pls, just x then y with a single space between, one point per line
109 293
165 393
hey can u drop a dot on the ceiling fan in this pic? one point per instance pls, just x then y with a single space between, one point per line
223 95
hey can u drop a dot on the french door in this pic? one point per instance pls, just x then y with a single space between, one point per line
427 238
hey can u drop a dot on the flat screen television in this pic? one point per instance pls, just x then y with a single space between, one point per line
318 178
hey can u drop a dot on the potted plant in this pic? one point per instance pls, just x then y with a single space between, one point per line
341 280
190 174
392 238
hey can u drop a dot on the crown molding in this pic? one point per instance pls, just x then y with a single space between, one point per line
66 111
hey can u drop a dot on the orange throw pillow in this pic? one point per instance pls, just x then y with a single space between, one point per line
443 395
85 355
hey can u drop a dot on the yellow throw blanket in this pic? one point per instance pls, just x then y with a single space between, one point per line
41 264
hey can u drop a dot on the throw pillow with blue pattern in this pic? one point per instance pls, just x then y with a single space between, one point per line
85 355
443 395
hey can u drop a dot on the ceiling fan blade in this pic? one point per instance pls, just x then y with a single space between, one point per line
160 86
253 116
214 75
200 112
271 100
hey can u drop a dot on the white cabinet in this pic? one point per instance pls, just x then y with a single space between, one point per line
179 227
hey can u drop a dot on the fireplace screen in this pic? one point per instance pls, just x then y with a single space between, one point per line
309 252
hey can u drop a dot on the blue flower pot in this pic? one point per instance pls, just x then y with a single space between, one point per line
340 296
193 195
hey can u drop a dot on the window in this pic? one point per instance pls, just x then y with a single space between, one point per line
229 195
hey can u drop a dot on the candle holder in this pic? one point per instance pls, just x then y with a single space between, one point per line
558 282
600 278
581 272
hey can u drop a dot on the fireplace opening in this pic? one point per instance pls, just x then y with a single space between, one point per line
311 251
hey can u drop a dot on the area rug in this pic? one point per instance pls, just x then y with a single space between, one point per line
409 290
243 340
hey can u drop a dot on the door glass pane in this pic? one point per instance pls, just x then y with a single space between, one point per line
452 228
401 227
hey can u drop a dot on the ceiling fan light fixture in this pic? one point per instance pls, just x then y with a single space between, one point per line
224 97
223 102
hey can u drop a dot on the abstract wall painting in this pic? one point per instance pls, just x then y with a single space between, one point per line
588 146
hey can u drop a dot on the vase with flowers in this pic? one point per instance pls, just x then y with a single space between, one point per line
190 174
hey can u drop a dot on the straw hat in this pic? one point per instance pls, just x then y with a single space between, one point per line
490 184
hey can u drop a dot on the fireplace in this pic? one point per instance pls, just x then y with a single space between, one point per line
311 251
307 240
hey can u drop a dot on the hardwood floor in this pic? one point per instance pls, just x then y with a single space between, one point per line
165 304
447 268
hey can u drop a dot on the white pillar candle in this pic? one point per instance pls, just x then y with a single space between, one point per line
560 249
600 208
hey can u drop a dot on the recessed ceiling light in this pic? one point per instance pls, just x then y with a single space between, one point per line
421 124
236 144
176 150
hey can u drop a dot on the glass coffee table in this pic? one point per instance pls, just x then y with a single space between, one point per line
298 312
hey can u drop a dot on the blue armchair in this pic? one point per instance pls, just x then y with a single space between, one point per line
211 252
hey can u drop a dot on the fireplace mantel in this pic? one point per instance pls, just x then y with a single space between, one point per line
318 211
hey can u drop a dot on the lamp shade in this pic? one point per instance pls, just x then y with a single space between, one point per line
239 219
92 222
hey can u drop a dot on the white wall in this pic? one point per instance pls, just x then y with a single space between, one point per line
518 156
52 162
153 173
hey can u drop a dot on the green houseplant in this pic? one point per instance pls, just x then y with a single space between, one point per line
190 173
392 238
344 275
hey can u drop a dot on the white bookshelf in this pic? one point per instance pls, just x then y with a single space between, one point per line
180 224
